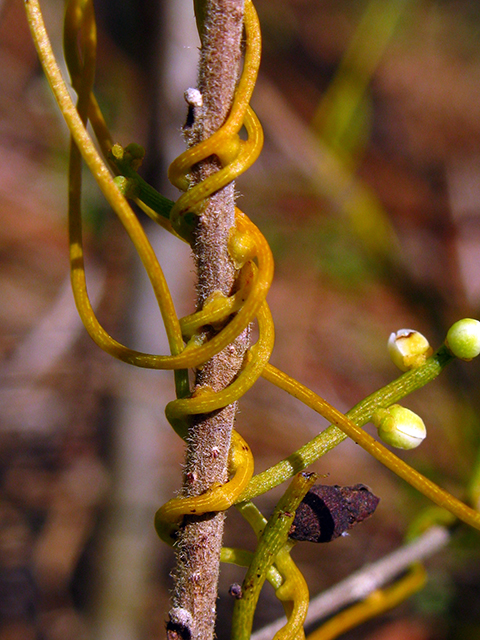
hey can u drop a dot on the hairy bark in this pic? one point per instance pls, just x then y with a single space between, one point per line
193 610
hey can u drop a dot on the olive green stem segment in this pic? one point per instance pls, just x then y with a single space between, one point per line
360 414
126 162
273 539
243 558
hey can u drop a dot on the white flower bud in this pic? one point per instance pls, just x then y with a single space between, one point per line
463 339
408 349
399 427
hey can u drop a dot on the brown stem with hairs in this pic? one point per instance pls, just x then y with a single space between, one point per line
193 611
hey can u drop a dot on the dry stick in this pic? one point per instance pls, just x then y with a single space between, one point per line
367 579
198 549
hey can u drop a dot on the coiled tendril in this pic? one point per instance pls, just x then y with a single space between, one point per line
249 250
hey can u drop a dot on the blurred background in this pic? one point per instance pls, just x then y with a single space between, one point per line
368 190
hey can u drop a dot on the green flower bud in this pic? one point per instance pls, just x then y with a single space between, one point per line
408 349
463 339
399 427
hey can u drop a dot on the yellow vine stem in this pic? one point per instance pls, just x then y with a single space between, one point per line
293 594
432 491
79 24
219 498
374 605
79 21
105 181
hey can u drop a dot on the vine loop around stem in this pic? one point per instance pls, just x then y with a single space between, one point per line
252 257
255 264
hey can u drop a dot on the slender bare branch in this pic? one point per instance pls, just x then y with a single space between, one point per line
198 549
369 578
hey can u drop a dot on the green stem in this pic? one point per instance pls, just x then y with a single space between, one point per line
360 414
122 160
273 539
243 558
